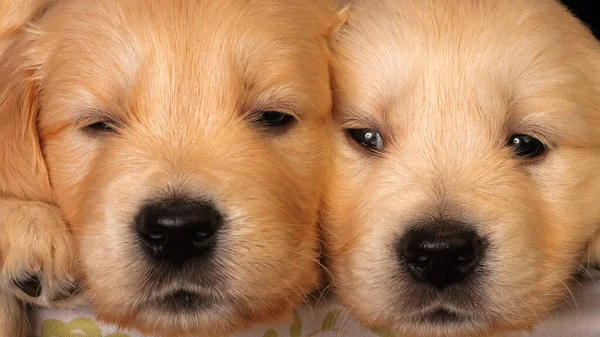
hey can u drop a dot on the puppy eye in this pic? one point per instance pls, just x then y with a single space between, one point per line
100 127
367 137
525 146
274 119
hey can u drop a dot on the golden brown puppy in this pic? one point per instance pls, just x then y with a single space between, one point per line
33 235
467 177
185 143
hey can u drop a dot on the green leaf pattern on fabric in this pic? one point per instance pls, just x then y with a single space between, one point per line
382 332
270 333
87 327
296 327
330 320
80 327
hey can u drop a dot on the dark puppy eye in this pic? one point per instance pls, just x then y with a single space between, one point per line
274 119
100 127
367 137
527 147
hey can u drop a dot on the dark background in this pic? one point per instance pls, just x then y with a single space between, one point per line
586 11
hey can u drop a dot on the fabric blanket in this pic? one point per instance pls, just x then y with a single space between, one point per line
578 317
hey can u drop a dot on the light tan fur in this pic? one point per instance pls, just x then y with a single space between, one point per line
15 323
14 14
33 235
446 83
184 81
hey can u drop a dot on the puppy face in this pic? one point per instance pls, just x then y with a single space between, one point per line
467 168
186 143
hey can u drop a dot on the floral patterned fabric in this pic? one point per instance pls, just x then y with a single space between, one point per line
579 317
330 320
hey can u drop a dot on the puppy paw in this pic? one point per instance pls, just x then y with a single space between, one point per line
37 261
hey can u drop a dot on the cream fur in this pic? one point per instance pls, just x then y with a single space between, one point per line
446 83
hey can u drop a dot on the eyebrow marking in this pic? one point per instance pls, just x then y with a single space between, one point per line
95 115
281 98
355 116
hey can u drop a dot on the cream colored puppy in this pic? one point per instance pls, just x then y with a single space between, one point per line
185 144
466 187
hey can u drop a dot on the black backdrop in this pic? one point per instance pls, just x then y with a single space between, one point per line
587 11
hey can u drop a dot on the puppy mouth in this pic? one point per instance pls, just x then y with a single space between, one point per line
443 316
185 301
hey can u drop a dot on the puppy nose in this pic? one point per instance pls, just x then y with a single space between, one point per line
178 231
442 258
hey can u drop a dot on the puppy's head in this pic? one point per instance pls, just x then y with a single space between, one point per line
467 171
186 143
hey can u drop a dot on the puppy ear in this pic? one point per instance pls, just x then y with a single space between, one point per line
15 14
23 171
342 16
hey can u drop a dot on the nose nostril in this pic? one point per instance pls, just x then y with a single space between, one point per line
468 251
202 235
178 231
203 238
440 257
419 260
156 236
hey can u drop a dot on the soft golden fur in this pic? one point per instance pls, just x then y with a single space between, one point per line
14 15
446 83
182 83
33 235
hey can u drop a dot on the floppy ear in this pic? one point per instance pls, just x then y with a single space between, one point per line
342 15
23 171
14 15
342 12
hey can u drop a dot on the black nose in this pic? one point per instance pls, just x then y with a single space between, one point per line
440 256
177 231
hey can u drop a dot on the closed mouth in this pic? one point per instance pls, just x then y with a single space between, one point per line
182 301
443 316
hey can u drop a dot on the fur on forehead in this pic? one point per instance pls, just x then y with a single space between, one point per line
190 40
448 86
414 48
